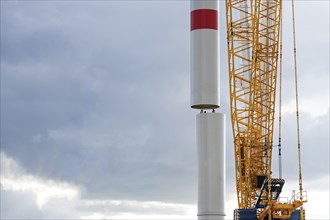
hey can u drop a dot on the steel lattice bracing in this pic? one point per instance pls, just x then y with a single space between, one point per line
253 40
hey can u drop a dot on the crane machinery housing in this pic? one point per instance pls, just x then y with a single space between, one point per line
254 34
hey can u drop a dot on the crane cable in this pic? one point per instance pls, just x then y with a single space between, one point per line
297 106
280 102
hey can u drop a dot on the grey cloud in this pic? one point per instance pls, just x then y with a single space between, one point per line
12 209
314 147
101 97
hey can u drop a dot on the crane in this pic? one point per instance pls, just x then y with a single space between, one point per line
254 29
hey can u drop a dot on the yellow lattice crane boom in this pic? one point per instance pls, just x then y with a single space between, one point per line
253 35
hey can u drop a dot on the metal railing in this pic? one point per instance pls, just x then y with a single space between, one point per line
296 196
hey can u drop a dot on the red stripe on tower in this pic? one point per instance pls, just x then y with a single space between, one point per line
204 19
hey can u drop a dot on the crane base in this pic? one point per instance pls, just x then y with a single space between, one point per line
245 214
251 214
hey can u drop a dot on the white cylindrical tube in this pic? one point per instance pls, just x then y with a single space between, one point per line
204 42
211 166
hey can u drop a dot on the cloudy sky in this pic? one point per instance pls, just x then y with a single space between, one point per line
95 114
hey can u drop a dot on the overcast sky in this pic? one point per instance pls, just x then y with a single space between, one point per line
95 114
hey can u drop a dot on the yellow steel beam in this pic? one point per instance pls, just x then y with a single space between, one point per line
253 35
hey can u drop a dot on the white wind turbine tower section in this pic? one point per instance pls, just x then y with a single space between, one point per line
205 96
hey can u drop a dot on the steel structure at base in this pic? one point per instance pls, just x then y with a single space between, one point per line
251 214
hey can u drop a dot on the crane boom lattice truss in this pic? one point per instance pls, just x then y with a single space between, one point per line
253 29
253 35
